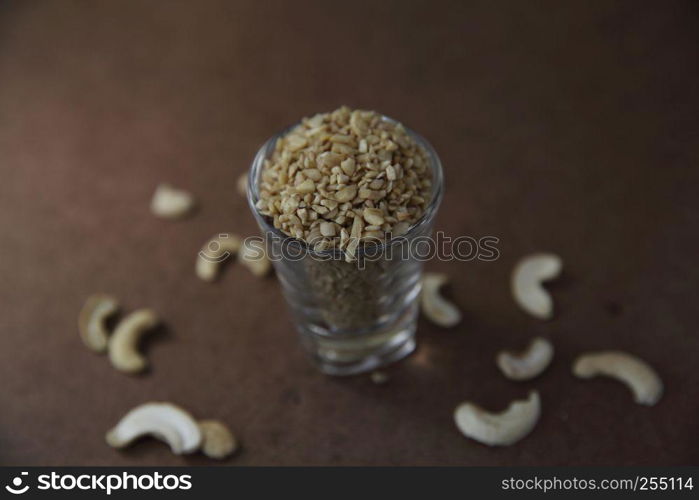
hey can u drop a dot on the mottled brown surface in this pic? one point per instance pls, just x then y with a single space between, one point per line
569 127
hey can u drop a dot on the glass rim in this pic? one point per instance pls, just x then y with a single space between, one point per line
267 149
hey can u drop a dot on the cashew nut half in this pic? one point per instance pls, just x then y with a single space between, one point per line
171 203
164 421
214 253
254 257
218 441
639 376
528 364
434 306
123 344
527 278
91 320
499 429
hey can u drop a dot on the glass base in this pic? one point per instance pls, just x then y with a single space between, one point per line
351 354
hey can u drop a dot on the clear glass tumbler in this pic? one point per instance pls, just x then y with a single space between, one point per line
352 317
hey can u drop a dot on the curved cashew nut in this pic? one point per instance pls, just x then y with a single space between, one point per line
528 364
527 277
123 344
218 441
171 203
164 421
434 306
499 429
639 376
91 320
254 257
214 253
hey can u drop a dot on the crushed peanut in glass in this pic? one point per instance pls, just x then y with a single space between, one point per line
343 178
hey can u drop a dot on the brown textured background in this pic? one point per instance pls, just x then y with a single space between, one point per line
563 126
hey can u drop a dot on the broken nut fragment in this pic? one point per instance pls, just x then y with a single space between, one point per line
528 364
499 429
373 216
165 421
214 253
91 320
242 184
123 344
527 278
434 306
171 203
218 441
639 376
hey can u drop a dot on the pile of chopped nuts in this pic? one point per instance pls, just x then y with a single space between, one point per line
342 178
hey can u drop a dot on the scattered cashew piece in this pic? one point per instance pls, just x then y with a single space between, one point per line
171 203
242 184
165 421
499 429
434 306
253 256
527 364
527 278
91 320
639 376
379 377
214 253
218 441
123 344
